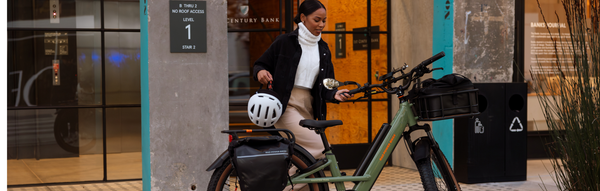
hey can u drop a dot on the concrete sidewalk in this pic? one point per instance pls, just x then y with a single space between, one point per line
403 179
391 179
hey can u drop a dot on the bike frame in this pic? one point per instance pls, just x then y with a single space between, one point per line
403 118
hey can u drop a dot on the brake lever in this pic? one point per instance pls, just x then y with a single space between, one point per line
353 101
351 83
440 68
365 95
386 76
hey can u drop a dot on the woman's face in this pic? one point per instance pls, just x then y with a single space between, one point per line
315 22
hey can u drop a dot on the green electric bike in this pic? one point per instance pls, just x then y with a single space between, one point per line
434 169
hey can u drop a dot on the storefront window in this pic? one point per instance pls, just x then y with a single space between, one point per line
54 14
539 54
122 14
122 67
54 68
254 14
244 49
539 40
66 88
123 143
54 145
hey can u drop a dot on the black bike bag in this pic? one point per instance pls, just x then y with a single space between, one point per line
261 163
451 96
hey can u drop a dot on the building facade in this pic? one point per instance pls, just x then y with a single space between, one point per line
75 71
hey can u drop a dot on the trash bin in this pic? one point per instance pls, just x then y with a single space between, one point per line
492 147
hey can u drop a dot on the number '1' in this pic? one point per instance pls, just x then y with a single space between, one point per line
189 28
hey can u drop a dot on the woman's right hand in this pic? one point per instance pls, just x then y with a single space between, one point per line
264 77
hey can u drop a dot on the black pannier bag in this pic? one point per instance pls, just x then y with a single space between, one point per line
451 96
261 163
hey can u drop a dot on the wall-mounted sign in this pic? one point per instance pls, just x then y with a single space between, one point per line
244 15
540 36
56 43
359 41
188 26
340 41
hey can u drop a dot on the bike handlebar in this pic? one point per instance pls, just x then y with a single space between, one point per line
388 79
357 90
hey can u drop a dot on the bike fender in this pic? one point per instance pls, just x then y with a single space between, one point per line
422 149
219 161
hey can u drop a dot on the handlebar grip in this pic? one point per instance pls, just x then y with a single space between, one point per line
438 56
433 58
357 90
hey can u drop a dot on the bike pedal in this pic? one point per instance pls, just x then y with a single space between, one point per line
343 173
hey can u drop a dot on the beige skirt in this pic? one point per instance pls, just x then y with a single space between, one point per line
300 107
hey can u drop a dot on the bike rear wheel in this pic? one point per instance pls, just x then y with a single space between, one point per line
224 179
436 173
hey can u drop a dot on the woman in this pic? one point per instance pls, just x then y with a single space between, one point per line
297 63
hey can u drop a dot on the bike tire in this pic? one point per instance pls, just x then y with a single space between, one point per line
221 178
441 179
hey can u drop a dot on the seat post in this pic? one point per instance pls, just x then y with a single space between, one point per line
324 139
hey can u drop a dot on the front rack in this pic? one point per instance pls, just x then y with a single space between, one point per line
446 105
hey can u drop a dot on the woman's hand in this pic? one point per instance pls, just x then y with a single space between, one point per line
264 77
343 95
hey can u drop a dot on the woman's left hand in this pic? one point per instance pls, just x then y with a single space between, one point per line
343 95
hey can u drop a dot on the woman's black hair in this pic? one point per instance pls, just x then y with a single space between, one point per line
308 7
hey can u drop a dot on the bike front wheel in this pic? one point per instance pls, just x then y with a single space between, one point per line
436 173
224 179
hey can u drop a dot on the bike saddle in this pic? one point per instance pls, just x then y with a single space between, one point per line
321 125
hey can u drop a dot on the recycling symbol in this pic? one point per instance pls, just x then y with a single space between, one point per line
516 128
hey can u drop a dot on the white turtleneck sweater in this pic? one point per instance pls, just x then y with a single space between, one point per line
308 68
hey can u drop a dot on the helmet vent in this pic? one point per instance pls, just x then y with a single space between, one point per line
258 112
267 113
271 98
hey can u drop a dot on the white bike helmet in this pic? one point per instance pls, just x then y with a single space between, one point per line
264 109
